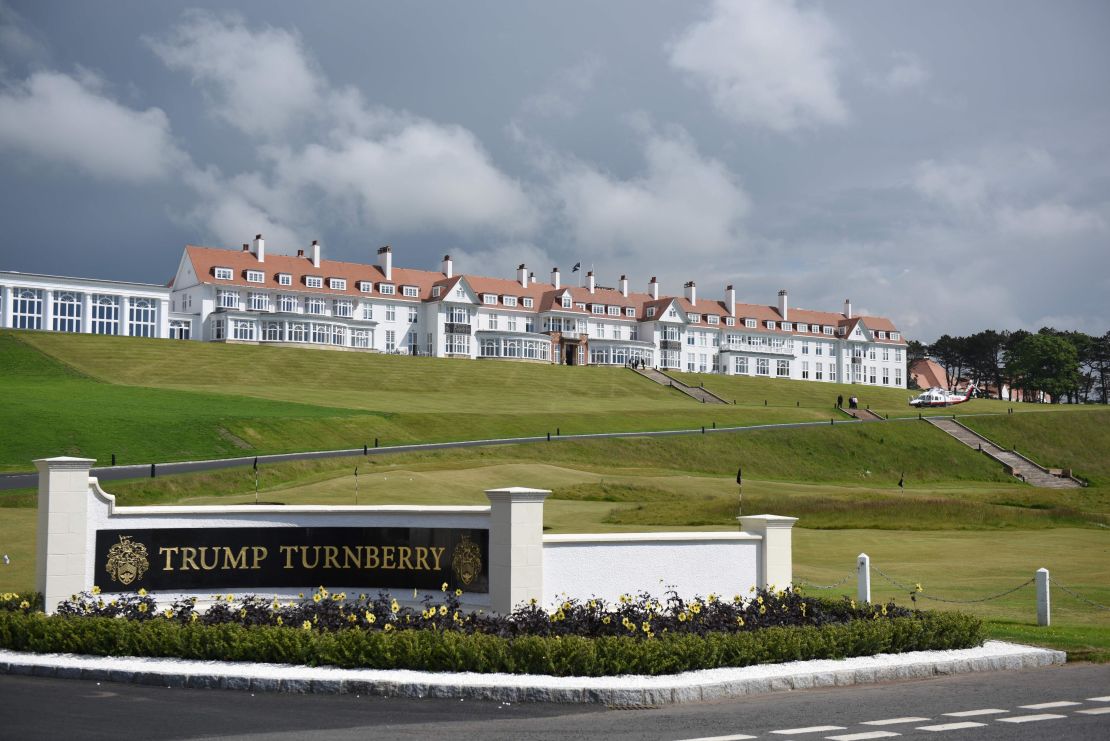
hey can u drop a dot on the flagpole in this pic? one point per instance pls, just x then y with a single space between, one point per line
256 480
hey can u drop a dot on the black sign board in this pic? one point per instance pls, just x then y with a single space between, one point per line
275 557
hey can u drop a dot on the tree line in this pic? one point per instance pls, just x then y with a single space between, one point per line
1068 366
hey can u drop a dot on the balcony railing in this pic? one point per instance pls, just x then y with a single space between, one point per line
456 328
785 349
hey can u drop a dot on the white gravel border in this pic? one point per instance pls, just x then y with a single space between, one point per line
627 690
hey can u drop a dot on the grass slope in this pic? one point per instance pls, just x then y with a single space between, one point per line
1080 442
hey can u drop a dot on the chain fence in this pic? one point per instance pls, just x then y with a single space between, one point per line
914 590
1079 597
834 585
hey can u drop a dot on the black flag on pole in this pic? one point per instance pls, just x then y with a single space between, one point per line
255 463
739 478
576 266
902 481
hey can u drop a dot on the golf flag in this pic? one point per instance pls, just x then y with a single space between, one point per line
902 481
256 463
739 478
576 266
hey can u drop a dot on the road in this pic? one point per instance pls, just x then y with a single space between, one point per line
1069 702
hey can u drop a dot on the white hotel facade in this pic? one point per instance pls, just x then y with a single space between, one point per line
249 296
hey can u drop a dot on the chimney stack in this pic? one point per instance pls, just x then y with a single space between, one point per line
246 247
522 275
847 308
260 248
315 254
784 306
692 293
624 286
448 266
555 278
590 283
653 288
385 261
730 300
300 253
532 278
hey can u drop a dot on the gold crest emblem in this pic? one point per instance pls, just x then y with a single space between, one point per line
466 561
127 561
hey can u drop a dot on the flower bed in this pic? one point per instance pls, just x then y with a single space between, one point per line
640 635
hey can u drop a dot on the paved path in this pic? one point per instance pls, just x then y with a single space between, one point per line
1023 468
698 393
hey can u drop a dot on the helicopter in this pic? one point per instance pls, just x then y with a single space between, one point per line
938 397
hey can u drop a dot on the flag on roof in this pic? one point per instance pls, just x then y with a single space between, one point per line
576 266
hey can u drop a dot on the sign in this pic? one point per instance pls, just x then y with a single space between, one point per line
282 557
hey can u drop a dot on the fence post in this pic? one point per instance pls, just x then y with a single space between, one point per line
1044 612
863 578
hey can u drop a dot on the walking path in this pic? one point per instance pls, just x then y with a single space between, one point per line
1017 464
698 393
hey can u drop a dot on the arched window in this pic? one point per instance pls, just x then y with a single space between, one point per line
67 312
142 317
27 309
105 314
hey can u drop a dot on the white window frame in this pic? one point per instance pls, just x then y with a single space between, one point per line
387 289
489 299
366 286
410 291
255 276
223 273
527 302
285 279
751 323
314 281
508 300
337 284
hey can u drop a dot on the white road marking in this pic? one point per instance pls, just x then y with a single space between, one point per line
972 713
1030 718
734 737
1047 705
893 721
863 736
950 726
810 729
1105 698
1095 711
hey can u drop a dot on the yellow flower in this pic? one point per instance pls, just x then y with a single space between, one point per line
444 587
458 593
682 617
646 626
884 609
95 590
740 621
193 619
242 613
763 609
144 607
695 608
142 592
394 607
316 597
25 605
853 603
443 609
370 617
605 619
275 605
352 618
455 617
231 598
388 627
306 625
167 613
712 598
918 588
280 621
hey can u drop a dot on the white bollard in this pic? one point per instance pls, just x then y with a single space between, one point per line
863 578
1044 611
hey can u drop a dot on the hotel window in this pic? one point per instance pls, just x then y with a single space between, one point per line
769 325
897 376
527 302
390 313
818 348
750 323
512 322
529 324
871 353
390 340
227 299
458 315
898 355
387 289
105 315
410 291
782 369
803 327
298 332
368 311
597 308
337 284
651 311
871 376
886 353
805 348
828 330
255 276
730 322
886 376
762 367
314 281
287 303
285 279
460 292
180 329
258 301
437 291
894 335
670 334
489 298
614 311
315 306
458 344
343 308
412 314
412 342
805 370
218 329
832 372
713 319
67 312
693 318
629 311
567 301
740 365
582 306
223 273
491 321
818 374
365 286
360 338
882 335
27 309
242 330
785 326
272 331
141 317
508 300
321 334
338 335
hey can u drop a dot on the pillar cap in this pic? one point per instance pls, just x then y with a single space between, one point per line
64 463
517 494
762 522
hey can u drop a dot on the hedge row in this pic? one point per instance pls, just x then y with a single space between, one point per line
457 652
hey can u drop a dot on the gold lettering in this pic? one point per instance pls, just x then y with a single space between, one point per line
304 556
288 551
387 557
350 554
188 556
259 552
372 560
331 556
421 558
437 553
204 561
169 557
404 554
235 560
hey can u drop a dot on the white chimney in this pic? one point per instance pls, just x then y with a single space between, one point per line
653 288
730 300
847 308
624 286
385 261
692 293
532 278
448 266
246 247
555 278
784 306
260 247
590 283
315 254
522 275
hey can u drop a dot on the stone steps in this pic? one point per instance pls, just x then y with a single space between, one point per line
1023 469
694 392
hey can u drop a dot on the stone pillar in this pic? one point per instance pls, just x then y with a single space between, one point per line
125 316
1044 612
863 579
515 547
86 313
776 558
48 310
162 321
6 317
62 557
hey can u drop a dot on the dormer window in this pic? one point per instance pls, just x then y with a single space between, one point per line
730 321
614 311
528 303
803 327
828 330
337 284
629 311
460 292
508 300
769 325
365 286
489 298
437 291
750 323
410 291
651 311
314 281
895 335
285 279
785 326
580 305
882 335
223 273
597 308
567 303
693 318
713 319
387 289
255 276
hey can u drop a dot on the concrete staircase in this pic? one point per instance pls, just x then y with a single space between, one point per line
694 392
863 414
1015 463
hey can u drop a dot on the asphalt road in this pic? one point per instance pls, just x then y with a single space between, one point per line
81 709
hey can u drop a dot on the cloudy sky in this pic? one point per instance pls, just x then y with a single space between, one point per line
945 164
